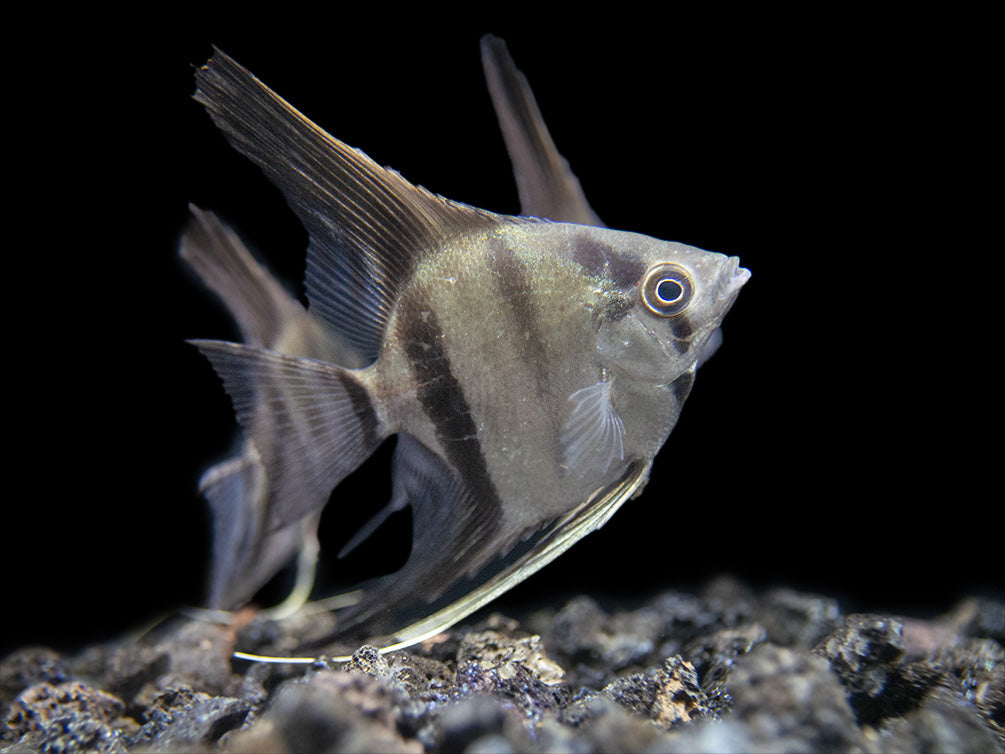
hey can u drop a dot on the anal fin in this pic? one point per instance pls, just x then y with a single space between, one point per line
460 559
538 548
452 533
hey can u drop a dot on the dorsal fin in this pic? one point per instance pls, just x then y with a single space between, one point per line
368 226
547 186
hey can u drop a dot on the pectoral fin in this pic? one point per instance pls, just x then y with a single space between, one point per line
593 435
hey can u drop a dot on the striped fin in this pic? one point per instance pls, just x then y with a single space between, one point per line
452 534
522 557
312 423
245 556
368 226
266 313
547 187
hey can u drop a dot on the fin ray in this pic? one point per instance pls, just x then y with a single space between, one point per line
547 187
367 225
258 303
312 423
546 544
593 435
452 535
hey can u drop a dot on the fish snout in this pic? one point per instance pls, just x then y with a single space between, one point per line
731 279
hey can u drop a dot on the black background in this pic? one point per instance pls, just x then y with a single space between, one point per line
843 440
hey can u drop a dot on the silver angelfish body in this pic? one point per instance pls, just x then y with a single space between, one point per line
530 369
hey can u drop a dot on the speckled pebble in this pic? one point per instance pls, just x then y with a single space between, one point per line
66 717
723 670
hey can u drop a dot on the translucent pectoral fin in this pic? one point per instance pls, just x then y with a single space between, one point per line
593 435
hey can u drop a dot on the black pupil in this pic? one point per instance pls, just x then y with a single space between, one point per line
669 290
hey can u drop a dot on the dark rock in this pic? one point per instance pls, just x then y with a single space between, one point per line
66 717
979 617
576 631
369 661
686 616
421 676
27 667
730 600
868 652
200 655
944 722
592 644
784 699
128 669
975 669
714 653
725 670
603 725
328 711
477 721
291 636
405 678
668 695
181 717
492 649
514 684
69 735
792 619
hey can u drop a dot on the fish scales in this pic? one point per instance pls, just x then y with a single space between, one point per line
531 369
486 323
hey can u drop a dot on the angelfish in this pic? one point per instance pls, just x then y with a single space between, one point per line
531 369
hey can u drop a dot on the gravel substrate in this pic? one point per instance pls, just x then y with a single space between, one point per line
724 670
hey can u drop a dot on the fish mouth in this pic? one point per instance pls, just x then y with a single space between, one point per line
732 279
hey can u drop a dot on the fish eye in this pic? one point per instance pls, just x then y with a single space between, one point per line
666 290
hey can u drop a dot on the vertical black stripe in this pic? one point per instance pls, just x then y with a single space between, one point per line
442 399
682 331
515 290
362 407
601 260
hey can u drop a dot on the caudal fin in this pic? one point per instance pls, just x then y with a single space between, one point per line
312 423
